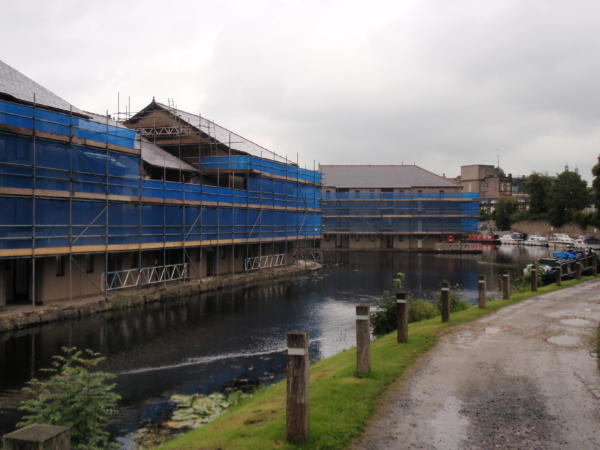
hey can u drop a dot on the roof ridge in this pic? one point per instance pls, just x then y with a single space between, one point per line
435 174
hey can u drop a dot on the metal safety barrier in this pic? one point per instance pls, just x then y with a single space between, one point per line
264 262
121 279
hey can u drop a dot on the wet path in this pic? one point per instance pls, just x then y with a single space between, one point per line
525 377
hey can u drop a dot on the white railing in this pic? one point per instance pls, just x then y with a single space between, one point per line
309 255
121 279
264 262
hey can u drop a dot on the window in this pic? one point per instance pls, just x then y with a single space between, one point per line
89 263
390 241
387 189
60 266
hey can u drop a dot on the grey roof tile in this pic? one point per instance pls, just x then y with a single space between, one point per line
20 87
156 156
381 176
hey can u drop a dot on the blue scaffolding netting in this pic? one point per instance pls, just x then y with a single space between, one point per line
353 212
48 165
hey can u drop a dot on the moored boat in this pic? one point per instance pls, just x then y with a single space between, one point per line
512 239
536 240
483 238
560 239
587 242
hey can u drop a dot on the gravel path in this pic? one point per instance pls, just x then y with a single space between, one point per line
525 377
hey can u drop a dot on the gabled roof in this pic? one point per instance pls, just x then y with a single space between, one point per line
221 134
15 85
381 176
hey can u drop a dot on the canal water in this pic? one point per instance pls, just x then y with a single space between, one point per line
236 338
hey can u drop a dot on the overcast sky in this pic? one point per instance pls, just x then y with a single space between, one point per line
438 83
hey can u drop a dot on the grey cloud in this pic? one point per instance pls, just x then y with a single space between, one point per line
433 82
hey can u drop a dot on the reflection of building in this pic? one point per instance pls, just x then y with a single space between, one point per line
392 207
91 205
488 181
518 192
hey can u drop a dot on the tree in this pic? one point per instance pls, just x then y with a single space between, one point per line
569 193
596 184
505 208
74 397
538 187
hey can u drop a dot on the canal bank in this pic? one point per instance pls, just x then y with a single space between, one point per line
340 403
213 340
23 316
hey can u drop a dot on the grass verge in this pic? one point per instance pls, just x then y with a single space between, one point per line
340 403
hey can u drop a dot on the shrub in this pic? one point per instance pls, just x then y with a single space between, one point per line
421 310
75 397
456 302
385 320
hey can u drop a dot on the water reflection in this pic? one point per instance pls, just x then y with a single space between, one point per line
204 343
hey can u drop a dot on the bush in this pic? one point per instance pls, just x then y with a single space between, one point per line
456 302
73 397
385 320
421 310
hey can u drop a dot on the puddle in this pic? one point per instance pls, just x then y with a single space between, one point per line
492 330
564 340
577 322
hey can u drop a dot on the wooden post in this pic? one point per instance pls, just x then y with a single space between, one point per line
296 418
509 283
533 279
481 287
34 437
594 265
363 340
577 270
505 290
445 295
402 316
559 275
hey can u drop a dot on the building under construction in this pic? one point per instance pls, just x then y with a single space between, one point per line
92 205
391 207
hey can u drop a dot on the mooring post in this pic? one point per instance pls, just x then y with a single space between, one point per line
559 275
38 437
577 270
505 282
594 265
445 296
296 418
402 317
481 288
533 273
363 340
509 283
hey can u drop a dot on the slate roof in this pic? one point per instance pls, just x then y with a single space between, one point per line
381 176
156 156
15 85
